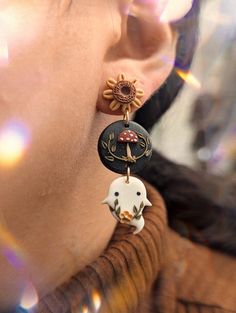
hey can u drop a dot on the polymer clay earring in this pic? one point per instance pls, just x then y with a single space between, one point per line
125 147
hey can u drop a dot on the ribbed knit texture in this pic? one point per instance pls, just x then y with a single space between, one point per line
154 271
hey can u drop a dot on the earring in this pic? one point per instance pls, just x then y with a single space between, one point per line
125 147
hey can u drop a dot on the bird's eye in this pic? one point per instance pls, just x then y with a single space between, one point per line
116 194
138 193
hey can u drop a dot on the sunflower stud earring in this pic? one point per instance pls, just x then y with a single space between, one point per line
123 93
125 147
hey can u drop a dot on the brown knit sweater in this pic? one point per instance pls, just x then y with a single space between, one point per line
154 271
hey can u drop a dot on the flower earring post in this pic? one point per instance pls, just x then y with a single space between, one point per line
123 93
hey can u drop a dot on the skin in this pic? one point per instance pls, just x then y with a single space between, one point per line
60 55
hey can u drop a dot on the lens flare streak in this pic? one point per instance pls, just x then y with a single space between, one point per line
13 252
11 248
189 78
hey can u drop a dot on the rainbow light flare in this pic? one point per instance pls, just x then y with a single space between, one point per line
14 140
189 78
11 248
30 297
13 252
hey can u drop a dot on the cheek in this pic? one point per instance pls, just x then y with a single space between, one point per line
21 26
47 87
36 74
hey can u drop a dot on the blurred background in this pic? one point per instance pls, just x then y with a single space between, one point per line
200 128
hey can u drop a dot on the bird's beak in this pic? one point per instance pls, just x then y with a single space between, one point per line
105 201
148 203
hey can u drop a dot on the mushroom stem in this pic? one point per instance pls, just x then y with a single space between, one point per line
129 155
128 151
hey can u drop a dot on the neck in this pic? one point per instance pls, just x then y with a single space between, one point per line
62 231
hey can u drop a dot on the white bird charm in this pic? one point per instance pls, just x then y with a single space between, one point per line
127 201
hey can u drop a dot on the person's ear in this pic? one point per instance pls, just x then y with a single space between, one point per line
144 49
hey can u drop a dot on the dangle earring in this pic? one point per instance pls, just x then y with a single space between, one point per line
124 147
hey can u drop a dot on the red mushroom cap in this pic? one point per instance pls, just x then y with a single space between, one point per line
128 136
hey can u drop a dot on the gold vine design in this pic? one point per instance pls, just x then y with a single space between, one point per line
116 209
137 212
112 148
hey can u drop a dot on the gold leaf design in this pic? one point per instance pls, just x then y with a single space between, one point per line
104 145
112 136
113 148
148 152
140 135
118 211
135 209
142 144
110 158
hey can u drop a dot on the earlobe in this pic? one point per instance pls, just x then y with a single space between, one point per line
145 51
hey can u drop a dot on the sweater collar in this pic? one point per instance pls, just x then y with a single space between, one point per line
122 277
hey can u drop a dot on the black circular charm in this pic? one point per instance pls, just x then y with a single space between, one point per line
124 144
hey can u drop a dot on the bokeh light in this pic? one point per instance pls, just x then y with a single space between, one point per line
175 10
30 297
85 309
96 300
14 140
204 154
165 10
20 23
4 54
